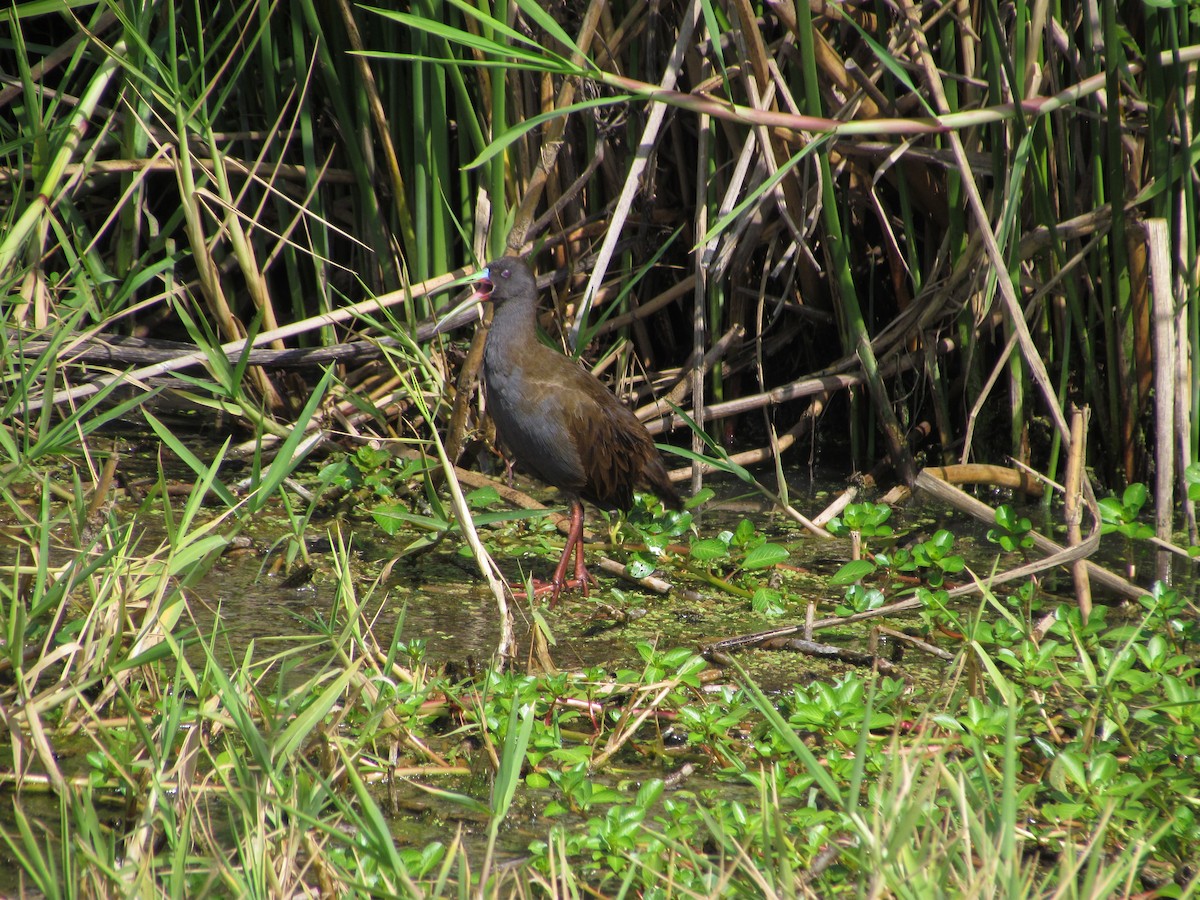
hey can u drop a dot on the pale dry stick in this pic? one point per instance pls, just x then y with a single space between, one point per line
633 181
881 214
733 193
755 47
828 61
777 447
648 582
542 222
43 749
487 566
1018 478
232 348
803 387
1073 507
761 90
844 499
998 369
1064 557
1001 363
156 164
948 123
1158 239
816 201
871 99
681 288
931 649
1042 237
702 255
1033 74
786 196
509 495
1183 419
968 47
1173 548
53 59
1035 474
303 449
1060 557
752 457
980 511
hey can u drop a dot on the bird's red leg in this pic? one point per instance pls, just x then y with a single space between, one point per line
574 542
581 572
558 582
582 575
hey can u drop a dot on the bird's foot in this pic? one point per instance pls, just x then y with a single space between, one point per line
583 581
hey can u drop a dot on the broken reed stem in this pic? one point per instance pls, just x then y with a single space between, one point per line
699 303
844 499
1162 333
1073 508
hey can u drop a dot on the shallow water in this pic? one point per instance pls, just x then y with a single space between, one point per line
440 599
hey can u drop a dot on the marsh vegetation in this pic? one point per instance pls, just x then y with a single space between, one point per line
945 253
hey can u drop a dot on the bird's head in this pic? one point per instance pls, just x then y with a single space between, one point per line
505 279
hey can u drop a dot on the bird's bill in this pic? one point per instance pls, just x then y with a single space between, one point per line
454 317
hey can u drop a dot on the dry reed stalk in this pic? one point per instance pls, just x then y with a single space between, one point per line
1073 507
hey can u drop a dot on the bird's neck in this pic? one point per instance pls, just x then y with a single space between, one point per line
515 324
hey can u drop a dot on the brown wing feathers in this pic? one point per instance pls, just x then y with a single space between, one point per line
619 455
